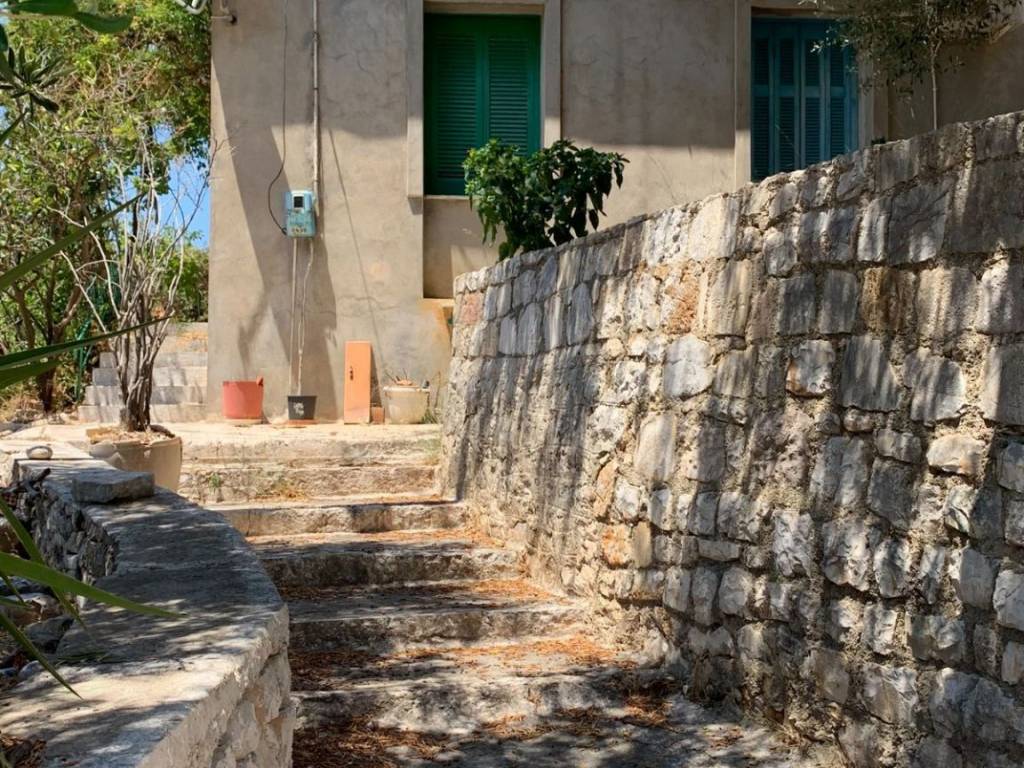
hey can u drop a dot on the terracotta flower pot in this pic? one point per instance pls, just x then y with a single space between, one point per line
242 400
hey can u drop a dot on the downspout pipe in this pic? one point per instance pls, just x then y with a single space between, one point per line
316 104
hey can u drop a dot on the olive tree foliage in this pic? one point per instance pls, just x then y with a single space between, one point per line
909 42
540 200
85 109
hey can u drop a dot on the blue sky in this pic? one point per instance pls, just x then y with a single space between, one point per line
190 176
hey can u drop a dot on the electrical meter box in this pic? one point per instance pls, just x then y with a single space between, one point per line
300 217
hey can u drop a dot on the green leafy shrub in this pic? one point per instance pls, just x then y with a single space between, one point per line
542 200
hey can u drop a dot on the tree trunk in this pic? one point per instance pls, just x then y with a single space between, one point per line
45 387
935 96
136 416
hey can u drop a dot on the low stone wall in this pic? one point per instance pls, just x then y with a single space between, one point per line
210 689
778 435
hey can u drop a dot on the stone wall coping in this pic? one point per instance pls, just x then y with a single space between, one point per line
155 692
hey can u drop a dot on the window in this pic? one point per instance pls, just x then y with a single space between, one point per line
804 107
482 82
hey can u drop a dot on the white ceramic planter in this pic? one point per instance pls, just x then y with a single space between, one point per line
162 458
406 405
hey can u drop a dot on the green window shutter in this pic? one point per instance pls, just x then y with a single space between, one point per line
804 96
482 82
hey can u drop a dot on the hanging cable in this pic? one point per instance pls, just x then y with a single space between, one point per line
284 118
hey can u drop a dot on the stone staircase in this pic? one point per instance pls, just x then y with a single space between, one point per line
179 382
416 641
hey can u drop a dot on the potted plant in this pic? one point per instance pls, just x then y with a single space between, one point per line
139 269
405 401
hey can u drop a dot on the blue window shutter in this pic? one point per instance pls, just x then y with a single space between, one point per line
804 96
482 81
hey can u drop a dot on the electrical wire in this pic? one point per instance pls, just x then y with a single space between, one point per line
284 118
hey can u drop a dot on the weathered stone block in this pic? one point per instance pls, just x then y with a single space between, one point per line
677 590
751 643
1013 663
839 301
945 302
974 577
716 643
701 521
1002 397
779 253
627 502
703 588
978 513
957 454
107 486
887 300
736 374
581 316
902 446
847 547
706 458
987 648
628 380
791 542
739 518
508 339
1008 599
985 218
852 475
810 369
828 671
720 551
1001 299
656 449
728 302
1015 522
917 225
892 567
891 493
797 305
930 570
890 693
735 592
938 385
712 231
661 510
868 380
845 620
689 370
874 230
1011 467
937 638
530 331
880 629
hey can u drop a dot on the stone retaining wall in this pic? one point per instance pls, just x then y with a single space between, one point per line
210 689
779 435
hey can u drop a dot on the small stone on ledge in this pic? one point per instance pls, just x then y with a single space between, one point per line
105 486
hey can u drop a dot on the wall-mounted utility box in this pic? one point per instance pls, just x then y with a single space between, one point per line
300 216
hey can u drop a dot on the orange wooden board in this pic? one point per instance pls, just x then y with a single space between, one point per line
358 359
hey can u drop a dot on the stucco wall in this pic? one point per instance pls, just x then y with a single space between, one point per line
777 434
207 689
668 89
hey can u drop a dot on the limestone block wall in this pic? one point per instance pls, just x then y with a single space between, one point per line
778 435
207 689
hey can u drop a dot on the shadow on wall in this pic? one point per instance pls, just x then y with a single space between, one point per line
777 435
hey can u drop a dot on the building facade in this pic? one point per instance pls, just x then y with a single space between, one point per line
702 96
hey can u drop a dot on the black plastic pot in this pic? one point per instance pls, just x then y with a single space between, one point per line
301 407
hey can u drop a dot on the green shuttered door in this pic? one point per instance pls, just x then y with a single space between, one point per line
482 81
804 100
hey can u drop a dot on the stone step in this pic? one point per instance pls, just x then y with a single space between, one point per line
181 359
187 337
277 518
161 414
161 395
162 377
343 559
428 617
547 721
340 446
461 701
215 483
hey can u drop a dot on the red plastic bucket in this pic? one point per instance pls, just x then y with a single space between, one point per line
243 399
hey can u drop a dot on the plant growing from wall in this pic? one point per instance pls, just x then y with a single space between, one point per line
545 199
913 41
